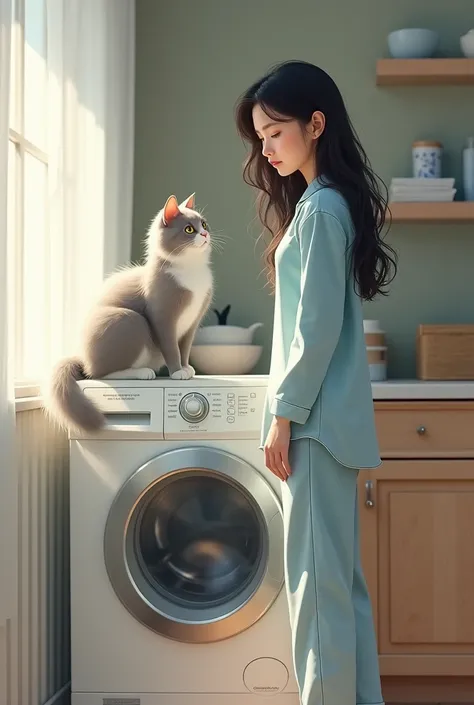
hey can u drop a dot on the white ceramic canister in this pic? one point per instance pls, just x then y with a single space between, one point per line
427 159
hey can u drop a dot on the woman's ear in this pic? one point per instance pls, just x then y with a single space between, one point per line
317 125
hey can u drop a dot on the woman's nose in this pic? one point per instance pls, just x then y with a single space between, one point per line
266 151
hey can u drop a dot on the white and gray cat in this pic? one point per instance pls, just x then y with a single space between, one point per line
146 316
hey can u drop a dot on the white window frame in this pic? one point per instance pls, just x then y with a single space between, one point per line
27 392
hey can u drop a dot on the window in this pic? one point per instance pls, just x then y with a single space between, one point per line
70 171
28 192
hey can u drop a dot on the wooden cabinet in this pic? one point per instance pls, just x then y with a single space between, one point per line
417 515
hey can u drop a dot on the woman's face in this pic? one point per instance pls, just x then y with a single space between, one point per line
288 146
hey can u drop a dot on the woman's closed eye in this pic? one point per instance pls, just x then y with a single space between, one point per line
277 134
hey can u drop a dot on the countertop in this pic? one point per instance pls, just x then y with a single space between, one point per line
419 389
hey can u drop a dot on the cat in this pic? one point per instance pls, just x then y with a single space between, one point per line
145 317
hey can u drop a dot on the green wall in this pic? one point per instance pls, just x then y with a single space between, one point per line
193 61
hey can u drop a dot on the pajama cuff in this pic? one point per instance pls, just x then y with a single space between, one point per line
298 414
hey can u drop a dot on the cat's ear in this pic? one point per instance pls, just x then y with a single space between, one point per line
189 203
171 210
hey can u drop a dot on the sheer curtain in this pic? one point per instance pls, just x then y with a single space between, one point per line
91 49
8 485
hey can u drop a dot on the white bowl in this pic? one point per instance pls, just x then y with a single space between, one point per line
225 359
225 335
412 43
467 44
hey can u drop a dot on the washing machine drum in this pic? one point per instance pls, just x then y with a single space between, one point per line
193 545
200 539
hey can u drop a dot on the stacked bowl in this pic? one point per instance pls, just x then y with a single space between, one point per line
225 350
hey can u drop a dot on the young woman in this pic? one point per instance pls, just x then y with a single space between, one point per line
321 203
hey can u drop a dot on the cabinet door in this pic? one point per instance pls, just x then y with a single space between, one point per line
417 519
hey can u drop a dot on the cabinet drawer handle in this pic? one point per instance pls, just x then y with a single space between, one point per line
368 494
421 430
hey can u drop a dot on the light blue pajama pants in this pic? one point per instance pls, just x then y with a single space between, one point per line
334 646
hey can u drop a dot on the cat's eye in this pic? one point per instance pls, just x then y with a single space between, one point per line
189 229
205 225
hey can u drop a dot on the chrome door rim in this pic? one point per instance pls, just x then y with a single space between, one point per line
136 593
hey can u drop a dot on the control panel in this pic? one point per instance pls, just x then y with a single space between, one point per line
213 412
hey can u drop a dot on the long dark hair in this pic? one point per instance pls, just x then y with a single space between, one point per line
295 90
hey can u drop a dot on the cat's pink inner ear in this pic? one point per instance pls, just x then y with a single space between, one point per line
189 203
171 210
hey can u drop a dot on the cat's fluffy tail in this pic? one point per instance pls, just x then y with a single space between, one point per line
66 404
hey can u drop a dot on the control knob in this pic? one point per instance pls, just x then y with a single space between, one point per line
194 407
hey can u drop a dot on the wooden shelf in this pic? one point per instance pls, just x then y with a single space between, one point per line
419 72
432 212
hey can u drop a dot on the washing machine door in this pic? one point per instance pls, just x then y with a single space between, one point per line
194 545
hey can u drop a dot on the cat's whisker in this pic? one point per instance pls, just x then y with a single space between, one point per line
219 238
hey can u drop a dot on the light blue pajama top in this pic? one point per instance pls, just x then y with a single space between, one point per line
319 374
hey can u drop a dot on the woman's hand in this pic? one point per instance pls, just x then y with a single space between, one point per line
276 448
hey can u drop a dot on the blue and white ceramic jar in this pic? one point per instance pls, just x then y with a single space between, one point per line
427 159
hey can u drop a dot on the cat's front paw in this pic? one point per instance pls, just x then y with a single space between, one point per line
190 369
183 373
145 373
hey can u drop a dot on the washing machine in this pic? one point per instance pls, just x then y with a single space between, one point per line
176 531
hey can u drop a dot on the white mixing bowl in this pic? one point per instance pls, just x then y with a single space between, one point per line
225 335
225 359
